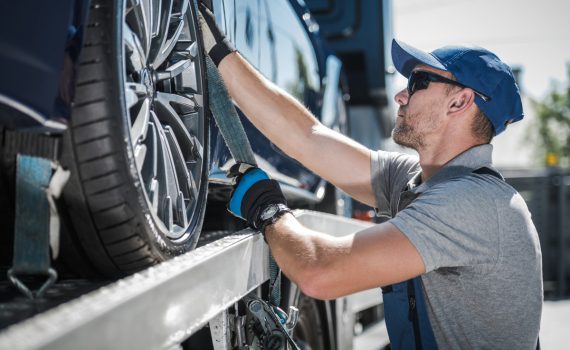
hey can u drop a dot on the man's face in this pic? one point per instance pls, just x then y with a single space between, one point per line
421 114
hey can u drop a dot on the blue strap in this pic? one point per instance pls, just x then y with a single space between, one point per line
31 238
231 128
226 117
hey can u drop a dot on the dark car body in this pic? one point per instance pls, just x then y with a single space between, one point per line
278 37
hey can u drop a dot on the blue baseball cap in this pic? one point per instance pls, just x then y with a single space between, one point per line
473 67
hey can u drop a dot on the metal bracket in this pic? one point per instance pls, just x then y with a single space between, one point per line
273 322
52 277
220 331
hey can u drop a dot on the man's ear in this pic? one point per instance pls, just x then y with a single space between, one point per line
461 101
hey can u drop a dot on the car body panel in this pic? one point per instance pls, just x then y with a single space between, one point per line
39 46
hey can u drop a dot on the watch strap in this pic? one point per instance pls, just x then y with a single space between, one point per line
282 209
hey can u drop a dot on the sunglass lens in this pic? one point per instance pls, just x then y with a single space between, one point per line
417 81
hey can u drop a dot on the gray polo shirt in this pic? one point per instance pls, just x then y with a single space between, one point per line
483 280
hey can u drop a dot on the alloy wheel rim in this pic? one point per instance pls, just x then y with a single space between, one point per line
164 96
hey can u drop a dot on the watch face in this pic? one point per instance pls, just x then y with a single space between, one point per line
269 211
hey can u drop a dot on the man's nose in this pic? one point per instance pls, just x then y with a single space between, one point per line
402 97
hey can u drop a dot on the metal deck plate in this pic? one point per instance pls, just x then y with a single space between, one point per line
160 307
154 309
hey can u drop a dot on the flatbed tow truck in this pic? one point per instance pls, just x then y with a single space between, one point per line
164 307
199 300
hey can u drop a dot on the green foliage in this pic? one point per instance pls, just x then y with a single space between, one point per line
553 124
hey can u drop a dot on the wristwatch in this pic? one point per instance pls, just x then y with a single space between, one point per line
270 214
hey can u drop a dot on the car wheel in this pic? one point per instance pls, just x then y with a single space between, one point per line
138 141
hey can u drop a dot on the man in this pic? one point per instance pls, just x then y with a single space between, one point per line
460 248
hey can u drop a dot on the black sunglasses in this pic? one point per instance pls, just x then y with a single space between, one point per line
420 80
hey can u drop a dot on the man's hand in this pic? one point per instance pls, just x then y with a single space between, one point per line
256 198
215 43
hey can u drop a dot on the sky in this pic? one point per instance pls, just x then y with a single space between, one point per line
531 34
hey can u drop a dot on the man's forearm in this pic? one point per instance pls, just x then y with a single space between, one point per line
275 113
308 258
327 267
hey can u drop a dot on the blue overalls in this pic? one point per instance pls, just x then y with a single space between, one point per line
405 308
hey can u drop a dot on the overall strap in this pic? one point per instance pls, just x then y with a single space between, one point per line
413 314
488 171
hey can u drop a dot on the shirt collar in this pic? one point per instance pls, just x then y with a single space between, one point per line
472 159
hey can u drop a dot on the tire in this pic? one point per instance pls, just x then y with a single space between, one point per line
139 138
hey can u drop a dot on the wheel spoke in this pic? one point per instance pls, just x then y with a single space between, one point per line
193 185
167 213
160 30
131 97
138 17
165 176
182 175
192 122
135 52
181 211
178 16
138 88
154 195
173 184
134 92
149 167
168 115
198 148
155 9
168 45
149 171
140 154
140 125
174 70
198 99
179 104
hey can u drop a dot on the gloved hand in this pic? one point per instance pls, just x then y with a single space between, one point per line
215 43
256 198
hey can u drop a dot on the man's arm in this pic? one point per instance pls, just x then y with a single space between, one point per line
327 267
323 266
289 125
286 122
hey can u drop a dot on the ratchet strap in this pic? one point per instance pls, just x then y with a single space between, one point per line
37 222
232 131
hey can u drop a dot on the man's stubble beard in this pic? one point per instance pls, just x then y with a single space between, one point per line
413 128
406 134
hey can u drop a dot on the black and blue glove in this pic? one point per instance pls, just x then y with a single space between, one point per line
256 198
216 45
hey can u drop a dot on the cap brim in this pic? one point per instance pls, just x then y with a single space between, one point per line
406 58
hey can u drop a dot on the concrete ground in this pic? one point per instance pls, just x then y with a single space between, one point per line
554 329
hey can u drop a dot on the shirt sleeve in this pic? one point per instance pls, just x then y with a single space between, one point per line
390 173
453 224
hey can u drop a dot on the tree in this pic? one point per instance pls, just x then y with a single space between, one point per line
553 125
